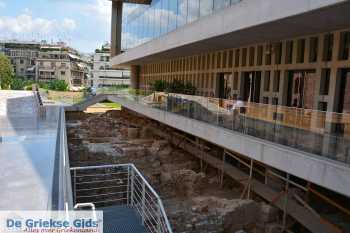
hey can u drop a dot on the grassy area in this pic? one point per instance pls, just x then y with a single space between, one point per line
64 96
112 105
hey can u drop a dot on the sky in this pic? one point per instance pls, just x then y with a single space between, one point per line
83 24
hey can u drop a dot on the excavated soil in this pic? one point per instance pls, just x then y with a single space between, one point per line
194 200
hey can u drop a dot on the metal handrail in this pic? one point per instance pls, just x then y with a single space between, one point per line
139 195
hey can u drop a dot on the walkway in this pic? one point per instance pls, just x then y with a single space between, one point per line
27 152
121 219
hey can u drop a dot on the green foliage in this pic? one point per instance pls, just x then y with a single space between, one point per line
20 83
57 85
43 85
6 74
28 88
175 86
159 85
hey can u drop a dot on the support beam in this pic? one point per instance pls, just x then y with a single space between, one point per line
116 27
135 77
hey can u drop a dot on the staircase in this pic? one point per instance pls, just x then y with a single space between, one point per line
128 202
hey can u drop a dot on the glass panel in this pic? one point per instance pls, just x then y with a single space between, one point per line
206 7
193 10
157 18
182 13
164 17
221 4
172 8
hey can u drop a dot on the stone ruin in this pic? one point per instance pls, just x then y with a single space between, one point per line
194 200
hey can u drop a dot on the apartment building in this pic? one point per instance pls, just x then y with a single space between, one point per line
62 63
23 56
102 74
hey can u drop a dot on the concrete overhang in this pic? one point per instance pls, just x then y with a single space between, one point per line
245 23
134 1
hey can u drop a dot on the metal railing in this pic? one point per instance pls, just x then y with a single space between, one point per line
121 185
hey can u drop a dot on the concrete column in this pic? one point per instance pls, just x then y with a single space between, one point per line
116 27
135 77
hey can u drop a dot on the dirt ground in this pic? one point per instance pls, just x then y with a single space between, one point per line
194 200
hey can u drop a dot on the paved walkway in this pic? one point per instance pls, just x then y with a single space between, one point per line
27 152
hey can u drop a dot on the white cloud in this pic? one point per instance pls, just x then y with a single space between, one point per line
25 24
100 9
69 24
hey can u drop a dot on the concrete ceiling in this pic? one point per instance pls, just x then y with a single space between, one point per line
323 20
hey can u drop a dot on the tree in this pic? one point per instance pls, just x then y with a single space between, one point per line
6 74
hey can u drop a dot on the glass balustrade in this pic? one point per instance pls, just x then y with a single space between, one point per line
320 133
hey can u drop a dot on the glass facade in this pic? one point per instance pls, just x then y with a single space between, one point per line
147 22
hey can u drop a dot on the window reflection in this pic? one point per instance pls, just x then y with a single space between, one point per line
206 7
182 12
142 23
193 10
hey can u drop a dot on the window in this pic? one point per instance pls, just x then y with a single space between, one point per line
237 57
244 57
328 47
21 61
324 84
260 56
313 52
63 73
344 45
230 59
251 56
289 52
278 53
218 60
268 55
224 59
208 61
267 81
301 51
276 81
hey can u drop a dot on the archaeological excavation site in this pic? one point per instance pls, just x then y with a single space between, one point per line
204 188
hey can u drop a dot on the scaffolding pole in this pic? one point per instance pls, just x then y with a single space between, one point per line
223 169
250 178
285 203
